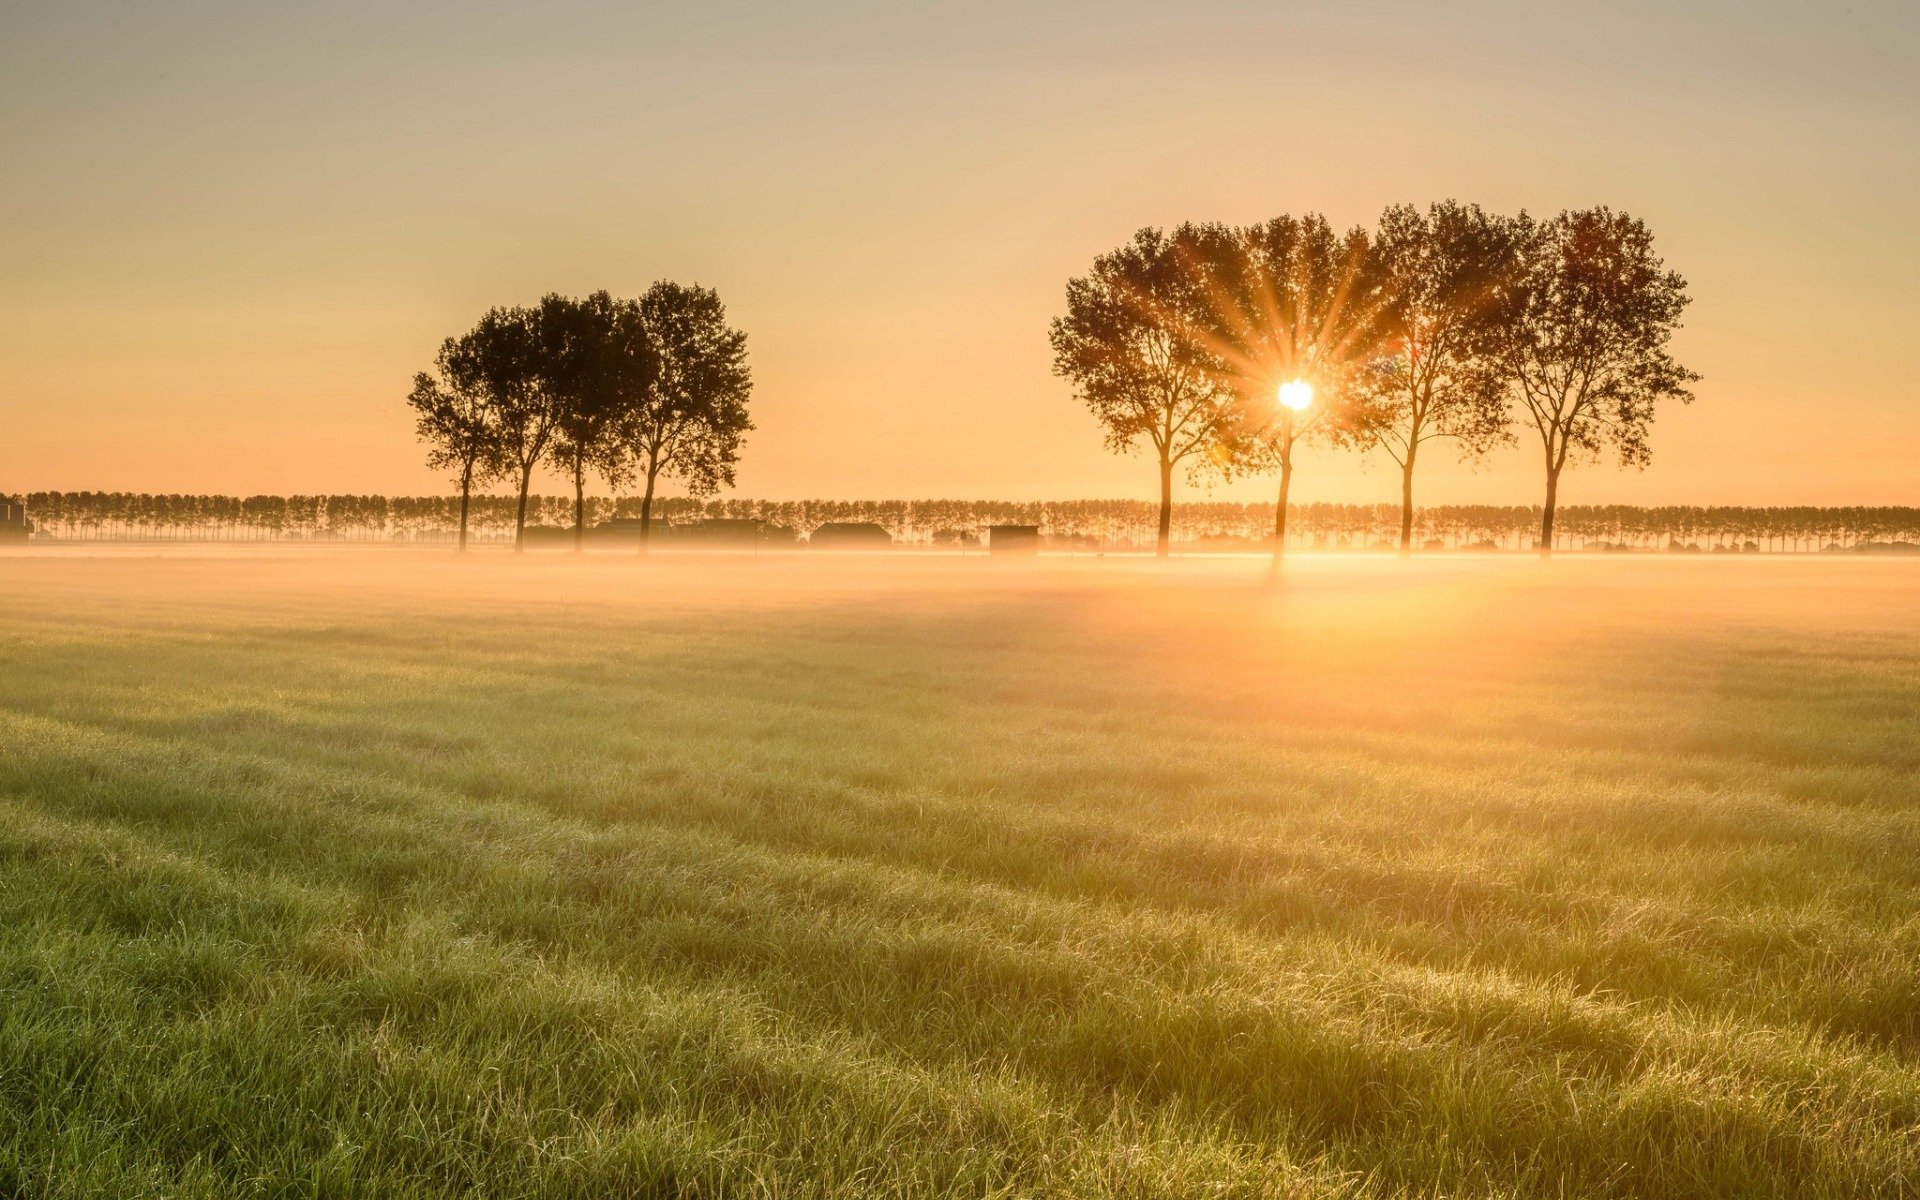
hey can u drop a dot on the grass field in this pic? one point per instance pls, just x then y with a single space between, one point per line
367 873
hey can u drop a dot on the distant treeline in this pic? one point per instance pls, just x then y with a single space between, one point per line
1108 524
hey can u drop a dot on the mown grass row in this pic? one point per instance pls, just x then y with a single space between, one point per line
1061 885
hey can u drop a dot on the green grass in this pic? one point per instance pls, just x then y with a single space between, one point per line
367 874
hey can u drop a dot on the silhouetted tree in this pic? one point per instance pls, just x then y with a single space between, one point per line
1133 345
1440 274
1289 300
1580 337
503 358
580 364
681 382
454 419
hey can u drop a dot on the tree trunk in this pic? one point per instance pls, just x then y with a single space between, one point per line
1546 513
579 505
1406 504
1166 507
520 517
646 509
1280 507
466 492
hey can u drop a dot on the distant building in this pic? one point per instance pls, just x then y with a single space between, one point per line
851 535
627 529
717 531
1013 539
14 526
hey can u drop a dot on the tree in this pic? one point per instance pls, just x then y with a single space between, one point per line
1579 340
503 358
1291 303
680 379
1132 345
456 422
580 369
1440 274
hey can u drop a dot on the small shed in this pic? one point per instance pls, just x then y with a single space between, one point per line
721 531
14 526
850 535
1013 539
628 529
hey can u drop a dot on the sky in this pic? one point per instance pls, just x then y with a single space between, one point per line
231 232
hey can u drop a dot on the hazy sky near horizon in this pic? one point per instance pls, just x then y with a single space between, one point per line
233 231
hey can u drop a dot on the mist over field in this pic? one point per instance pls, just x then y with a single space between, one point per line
375 871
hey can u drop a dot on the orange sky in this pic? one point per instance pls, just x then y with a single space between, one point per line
231 234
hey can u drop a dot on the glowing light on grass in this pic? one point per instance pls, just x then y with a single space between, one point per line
1297 395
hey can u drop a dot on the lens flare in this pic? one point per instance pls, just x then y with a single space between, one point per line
1296 395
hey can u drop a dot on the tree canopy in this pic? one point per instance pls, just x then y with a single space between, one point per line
1133 344
582 369
683 415
1579 340
1441 275
506 359
1289 301
453 417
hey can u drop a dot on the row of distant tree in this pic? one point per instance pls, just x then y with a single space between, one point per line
633 391
1109 524
1453 324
